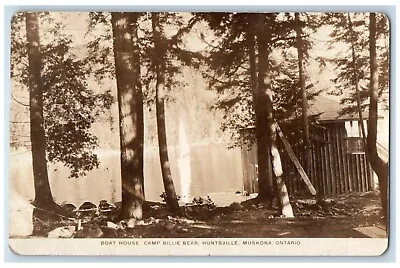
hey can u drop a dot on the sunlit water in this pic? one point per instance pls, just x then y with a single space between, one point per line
184 164
211 169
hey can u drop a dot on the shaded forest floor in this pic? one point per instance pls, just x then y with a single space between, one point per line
336 217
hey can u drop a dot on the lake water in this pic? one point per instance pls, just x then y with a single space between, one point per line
214 171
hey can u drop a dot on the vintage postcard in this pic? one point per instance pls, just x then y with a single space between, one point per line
168 133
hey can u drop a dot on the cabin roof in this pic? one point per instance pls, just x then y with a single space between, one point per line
329 108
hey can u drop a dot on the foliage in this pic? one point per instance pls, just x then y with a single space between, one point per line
176 56
344 82
70 106
229 70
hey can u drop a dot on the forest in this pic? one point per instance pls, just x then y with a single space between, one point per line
195 90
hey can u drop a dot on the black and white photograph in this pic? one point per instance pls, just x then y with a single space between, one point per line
199 133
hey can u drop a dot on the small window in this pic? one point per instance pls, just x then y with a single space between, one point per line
354 142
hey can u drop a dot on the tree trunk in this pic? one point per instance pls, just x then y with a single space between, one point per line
139 95
355 81
130 119
283 194
263 114
261 143
302 83
43 196
265 98
159 60
378 165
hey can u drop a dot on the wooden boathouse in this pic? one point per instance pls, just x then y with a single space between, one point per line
338 160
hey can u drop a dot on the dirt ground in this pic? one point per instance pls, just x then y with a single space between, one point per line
335 217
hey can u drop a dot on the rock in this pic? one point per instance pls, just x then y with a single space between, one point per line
62 232
141 222
121 225
155 207
112 225
150 220
253 207
236 206
329 201
131 223
184 220
299 205
89 231
20 212
109 232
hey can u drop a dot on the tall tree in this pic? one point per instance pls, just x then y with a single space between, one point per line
43 196
380 167
355 79
350 30
302 84
263 156
70 106
130 120
266 99
263 109
160 69
245 73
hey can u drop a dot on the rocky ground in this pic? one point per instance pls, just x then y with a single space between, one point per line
335 217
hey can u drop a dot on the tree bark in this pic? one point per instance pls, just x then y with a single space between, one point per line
139 95
260 142
159 60
378 165
263 113
355 80
130 103
265 98
283 193
43 196
302 83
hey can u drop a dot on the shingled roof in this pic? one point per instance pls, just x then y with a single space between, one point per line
329 107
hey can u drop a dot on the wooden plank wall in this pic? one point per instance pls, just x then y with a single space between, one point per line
333 171
249 164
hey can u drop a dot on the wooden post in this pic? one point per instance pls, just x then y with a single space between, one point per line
296 162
